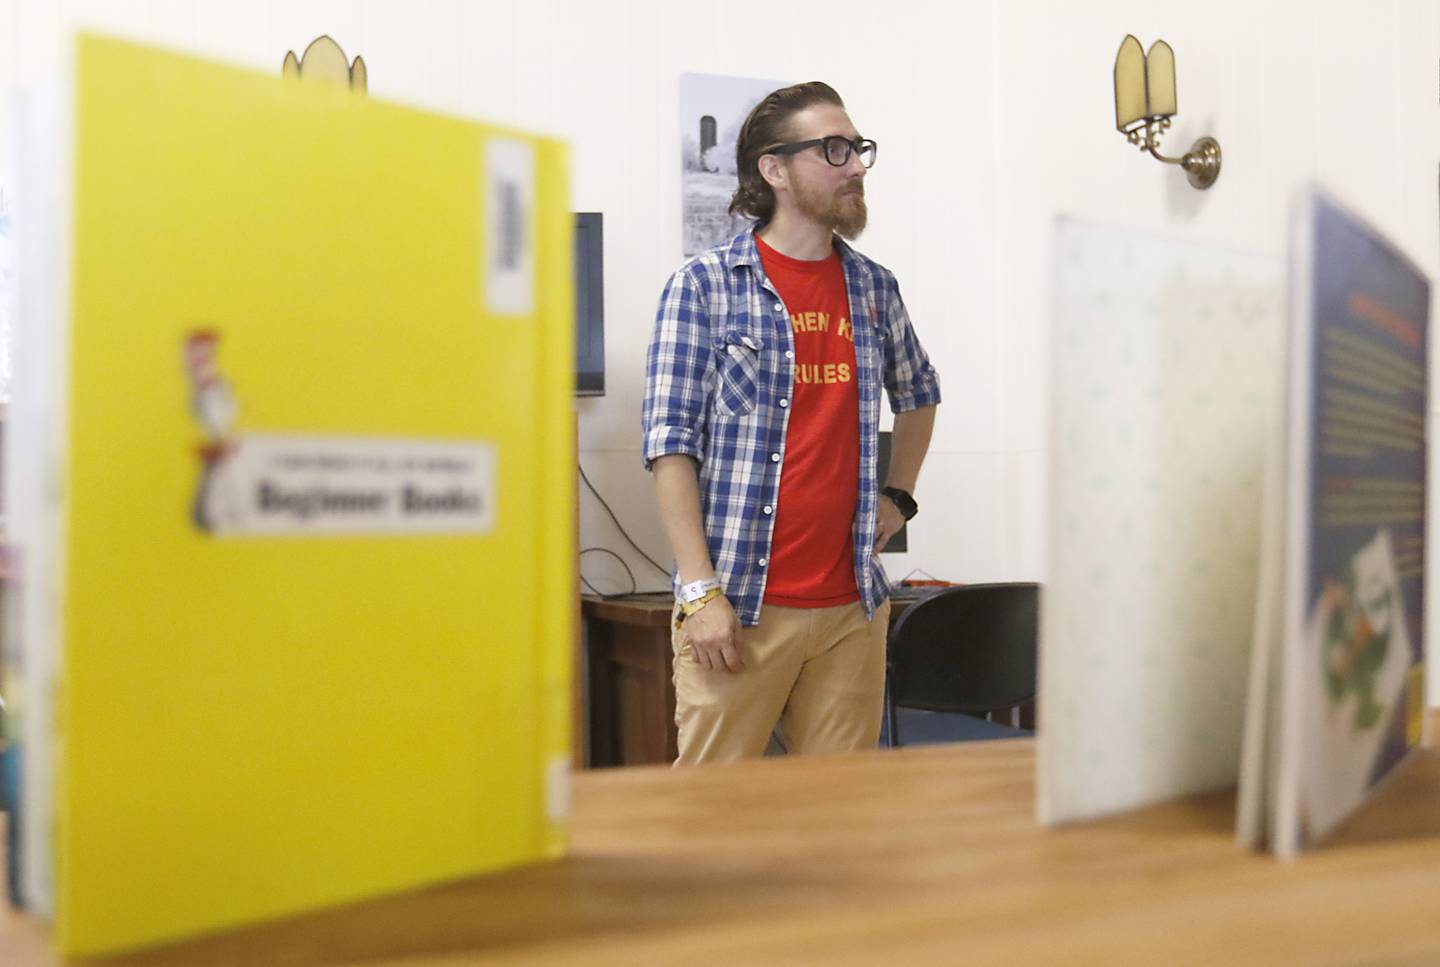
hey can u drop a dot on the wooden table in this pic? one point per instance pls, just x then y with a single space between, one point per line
926 855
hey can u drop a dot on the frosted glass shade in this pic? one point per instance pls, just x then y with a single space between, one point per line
1130 98
1160 80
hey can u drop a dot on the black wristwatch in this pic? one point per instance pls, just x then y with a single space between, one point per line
906 504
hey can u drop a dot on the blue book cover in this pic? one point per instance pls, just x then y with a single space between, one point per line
1353 688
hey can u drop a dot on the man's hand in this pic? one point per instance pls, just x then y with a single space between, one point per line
888 521
713 635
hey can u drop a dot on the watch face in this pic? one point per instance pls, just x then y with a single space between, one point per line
902 500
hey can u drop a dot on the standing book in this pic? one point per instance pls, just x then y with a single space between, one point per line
289 466
1337 691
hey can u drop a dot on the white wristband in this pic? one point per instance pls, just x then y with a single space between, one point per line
696 590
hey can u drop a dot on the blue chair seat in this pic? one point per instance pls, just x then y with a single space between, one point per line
933 728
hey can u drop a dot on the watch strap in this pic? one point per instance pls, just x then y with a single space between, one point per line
903 501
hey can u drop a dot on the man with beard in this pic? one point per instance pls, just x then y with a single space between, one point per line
761 418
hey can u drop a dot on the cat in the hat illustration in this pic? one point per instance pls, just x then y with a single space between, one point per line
213 404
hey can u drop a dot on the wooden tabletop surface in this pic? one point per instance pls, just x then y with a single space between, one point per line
926 855
648 610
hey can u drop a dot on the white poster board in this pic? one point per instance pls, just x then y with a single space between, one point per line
1164 367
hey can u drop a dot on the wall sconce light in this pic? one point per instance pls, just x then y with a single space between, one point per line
323 60
1145 102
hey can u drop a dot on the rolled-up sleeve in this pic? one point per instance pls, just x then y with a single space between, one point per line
910 381
679 368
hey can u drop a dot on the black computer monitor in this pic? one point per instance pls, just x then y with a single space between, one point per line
589 304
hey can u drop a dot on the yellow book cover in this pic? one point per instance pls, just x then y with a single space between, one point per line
314 503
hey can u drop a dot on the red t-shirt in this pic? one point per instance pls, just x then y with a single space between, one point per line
812 562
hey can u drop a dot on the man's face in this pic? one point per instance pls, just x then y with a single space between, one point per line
833 196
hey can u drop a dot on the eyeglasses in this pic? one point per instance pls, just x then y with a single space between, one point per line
836 149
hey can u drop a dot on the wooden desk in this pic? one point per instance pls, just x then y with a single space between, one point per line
632 697
926 855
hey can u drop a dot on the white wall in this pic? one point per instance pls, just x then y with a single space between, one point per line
993 117
1342 92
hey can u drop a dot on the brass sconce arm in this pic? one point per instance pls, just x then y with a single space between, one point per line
1201 162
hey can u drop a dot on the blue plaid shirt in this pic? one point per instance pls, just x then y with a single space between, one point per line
720 374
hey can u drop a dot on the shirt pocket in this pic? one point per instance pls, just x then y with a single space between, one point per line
739 383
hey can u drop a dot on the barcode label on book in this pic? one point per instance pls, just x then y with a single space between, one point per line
557 790
509 277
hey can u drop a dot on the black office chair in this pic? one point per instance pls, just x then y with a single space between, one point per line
957 655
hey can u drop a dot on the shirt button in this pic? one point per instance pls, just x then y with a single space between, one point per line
763 562
779 307
784 403
789 354
769 509
774 458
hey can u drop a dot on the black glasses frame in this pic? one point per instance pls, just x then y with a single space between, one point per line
831 143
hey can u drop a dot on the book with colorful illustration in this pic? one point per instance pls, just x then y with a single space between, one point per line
1338 674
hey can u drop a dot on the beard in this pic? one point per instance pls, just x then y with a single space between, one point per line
844 211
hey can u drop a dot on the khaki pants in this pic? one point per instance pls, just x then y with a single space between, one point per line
819 672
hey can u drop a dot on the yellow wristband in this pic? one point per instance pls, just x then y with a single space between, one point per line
687 608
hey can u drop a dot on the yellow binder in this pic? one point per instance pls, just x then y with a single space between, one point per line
316 576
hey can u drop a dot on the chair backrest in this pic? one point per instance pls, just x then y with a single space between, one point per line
966 649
